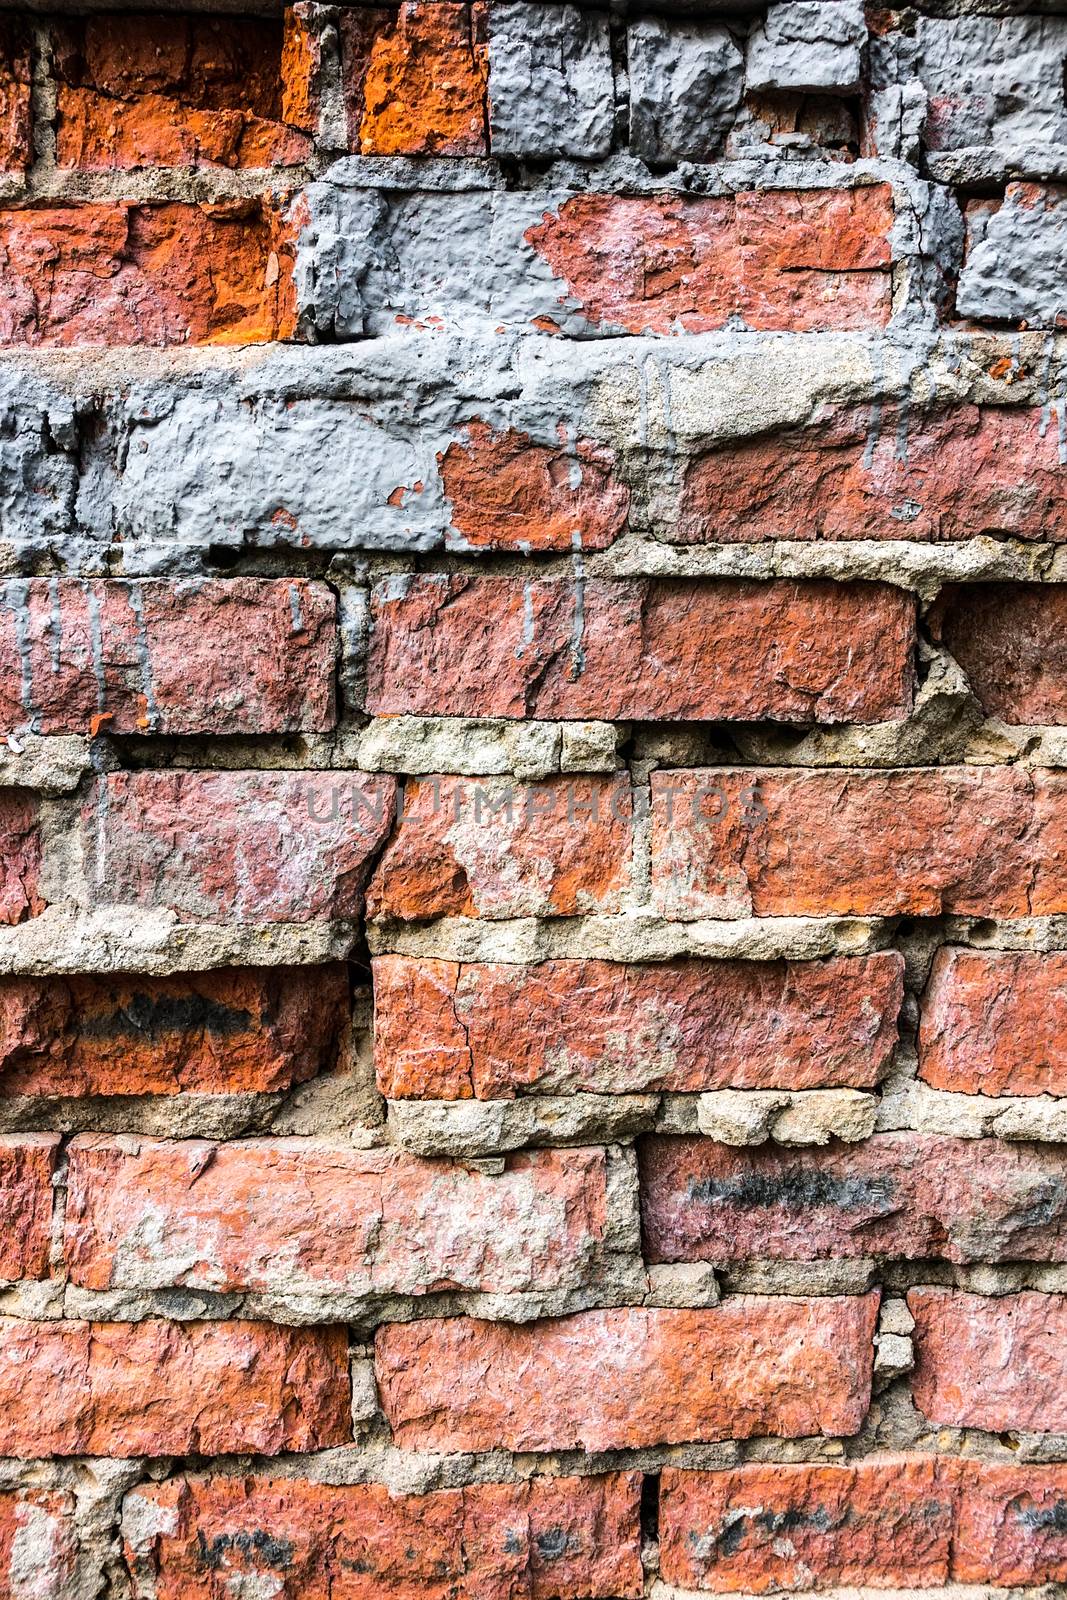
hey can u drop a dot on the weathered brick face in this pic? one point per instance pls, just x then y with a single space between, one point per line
224 658
785 260
103 274
159 91
533 800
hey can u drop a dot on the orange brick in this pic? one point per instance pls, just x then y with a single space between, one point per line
110 273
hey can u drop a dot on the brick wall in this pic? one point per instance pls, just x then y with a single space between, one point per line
533 801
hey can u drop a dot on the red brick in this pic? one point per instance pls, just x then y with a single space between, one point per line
674 264
26 1164
902 1195
768 1527
16 143
38 1544
1009 639
415 78
447 1031
315 1216
108 273
181 657
1012 1524
995 1023
507 492
169 1388
996 1364
556 848
547 1539
222 1032
894 1521
245 846
301 67
882 473
172 91
773 841
607 1380
555 647
20 857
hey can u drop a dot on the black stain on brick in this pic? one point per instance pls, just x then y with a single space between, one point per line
1044 1519
795 1191
552 1544
154 1015
739 1526
259 1545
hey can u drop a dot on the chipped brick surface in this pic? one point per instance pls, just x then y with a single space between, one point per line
445 1030
510 493
903 1521
759 1529
610 1379
1008 640
990 1363
494 647
27 1162
506 850
993 1023
896 1194
882 473
305 1215
20 857
106 274
549 1539
15 114
164 1388
243 846
217 1032
416 79
161 91
731 843
225 658
777 260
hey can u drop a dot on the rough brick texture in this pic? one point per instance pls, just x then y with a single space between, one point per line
450 1031
1009 641
20 857
295 1215
506 850
894 1195
906 1522
610 1379
225 658
247 846
415 78
969 840
160 91
882 473
533 799
777 260
493 647
26 1165
165 1388
990 1363
550 1539
993 1024
219 1032
103 274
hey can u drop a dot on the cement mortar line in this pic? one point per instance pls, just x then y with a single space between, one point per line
407 1472
644 936
532 751
908 564
322 370
112 939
